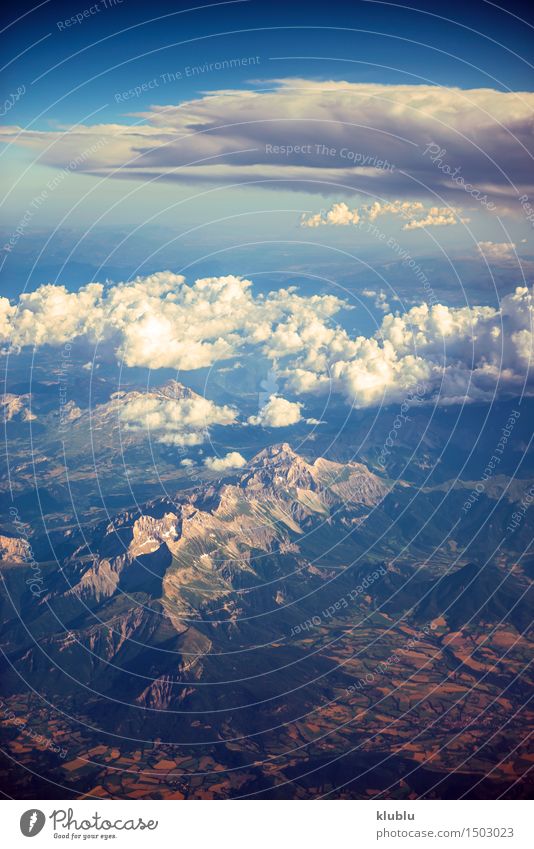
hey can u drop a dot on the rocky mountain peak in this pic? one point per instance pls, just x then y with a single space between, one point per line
279 464
279 468
108 413
150 533
175 391
278 456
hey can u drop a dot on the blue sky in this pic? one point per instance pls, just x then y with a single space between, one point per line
367 153
119 46
121 62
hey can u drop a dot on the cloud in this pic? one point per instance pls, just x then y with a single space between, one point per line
339 214
437 216
232 460
175 422
386 139
277 412
160 321
498 252
380 299
458 353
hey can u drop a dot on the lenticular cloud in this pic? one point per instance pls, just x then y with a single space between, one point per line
390 132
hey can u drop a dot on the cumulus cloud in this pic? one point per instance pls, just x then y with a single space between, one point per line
338 215
458 353
498 252
437 216
175 421
483 136
232 460
418 217
160 321
277 412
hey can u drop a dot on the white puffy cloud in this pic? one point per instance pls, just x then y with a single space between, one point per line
160 321
405 208
52 315
338 215
437 216
456 353
382 135
417 215
232 460
277 412
171 421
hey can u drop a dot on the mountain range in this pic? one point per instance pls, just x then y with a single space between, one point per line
273 606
